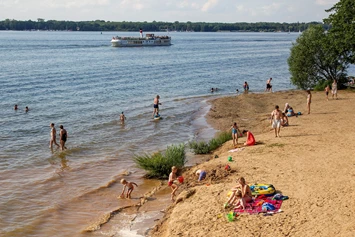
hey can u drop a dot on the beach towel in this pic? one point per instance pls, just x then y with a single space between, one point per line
260 205
236 150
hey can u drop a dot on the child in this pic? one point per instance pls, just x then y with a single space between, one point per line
241 202
130 188
201 175
327 89
244 189
122 118
250 138
284 120
172 178
309 99
235 132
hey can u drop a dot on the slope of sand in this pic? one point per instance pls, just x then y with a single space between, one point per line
313 163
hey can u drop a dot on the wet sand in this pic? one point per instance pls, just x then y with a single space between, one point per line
313 163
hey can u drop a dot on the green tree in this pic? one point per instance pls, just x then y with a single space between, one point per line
313 59
342 21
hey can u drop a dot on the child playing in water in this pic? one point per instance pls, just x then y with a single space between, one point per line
172 178
129 190
235 132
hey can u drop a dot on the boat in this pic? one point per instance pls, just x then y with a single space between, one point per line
148 40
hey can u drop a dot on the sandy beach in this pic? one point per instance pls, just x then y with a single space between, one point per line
313 163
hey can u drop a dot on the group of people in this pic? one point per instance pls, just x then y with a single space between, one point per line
63 135
26 109
334 90
236 134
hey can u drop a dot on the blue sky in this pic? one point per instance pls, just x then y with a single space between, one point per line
168 10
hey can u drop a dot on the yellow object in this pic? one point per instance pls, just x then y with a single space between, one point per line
262 189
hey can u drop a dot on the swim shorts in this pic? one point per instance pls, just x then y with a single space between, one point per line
170 183
276 123
268 86
156 106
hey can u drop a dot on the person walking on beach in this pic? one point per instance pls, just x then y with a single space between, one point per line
276 120
53 135
335 89
235 132
156 106
63 137
268 85
122 118
309 100
246 86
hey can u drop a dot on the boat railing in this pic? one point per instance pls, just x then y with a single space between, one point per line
138 38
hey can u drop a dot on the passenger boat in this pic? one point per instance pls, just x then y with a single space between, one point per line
148 40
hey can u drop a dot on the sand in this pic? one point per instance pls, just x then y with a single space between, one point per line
313 163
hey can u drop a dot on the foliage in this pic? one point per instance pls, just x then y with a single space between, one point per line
313 59
159 164
342 32
205 148
101 25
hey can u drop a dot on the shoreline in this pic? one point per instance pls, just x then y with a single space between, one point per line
287 166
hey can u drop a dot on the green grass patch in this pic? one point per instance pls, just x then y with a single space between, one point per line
158 165
206 147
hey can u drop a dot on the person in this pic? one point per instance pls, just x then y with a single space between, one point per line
284 120
309 100
335 89
201 174
246 86
237 91
250 138
235 132
245 191
27 109
171 184
276 120
15 108
156 106
268 85
141 33
53 136
327 89
288 110
240 204
212 90
130 187
122 118
63 137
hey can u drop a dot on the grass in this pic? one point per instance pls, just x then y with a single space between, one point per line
206 147
158 165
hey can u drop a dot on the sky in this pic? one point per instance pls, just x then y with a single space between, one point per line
168 10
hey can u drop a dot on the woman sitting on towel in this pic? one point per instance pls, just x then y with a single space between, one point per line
288 110
250 138
245 190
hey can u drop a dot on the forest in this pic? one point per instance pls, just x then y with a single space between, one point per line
101 25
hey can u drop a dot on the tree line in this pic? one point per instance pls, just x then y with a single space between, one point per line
101 25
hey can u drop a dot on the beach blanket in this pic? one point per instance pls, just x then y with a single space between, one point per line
261 205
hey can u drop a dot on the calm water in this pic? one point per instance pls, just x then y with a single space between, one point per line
77 79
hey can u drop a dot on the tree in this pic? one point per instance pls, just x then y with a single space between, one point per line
313 59
342 21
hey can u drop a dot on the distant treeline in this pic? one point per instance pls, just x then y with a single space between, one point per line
100 25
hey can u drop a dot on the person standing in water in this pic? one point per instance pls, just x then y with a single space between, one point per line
15 107
63 137
246 86
53 136
122 118
156 106
268 85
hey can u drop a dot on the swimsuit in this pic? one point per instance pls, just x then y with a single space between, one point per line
276 123
156 106
268 86
170 183
64 137
234 130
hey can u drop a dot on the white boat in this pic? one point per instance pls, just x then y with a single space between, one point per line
148 40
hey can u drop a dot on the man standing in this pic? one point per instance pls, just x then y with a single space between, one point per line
122 118
268 85
276 120
156 106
